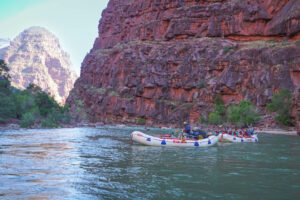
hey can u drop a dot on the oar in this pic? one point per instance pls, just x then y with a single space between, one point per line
131 141
222 137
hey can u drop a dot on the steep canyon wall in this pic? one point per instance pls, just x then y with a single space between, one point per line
165 60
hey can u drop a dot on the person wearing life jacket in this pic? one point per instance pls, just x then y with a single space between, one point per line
195 133
186 131
198 133
251 130
236 133
187 128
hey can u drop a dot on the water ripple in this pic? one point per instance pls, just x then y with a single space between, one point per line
90 163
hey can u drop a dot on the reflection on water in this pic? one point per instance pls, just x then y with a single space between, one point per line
90 163
35 164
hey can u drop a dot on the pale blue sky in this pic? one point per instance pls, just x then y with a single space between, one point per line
74 22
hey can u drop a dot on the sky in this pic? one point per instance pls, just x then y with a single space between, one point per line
74 22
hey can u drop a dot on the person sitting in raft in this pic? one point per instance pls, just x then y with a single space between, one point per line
187 128
236 132
186 131
198 133
247 133
240 133
251 130
194 133
230 131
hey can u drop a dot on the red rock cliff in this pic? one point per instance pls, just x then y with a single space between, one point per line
165 60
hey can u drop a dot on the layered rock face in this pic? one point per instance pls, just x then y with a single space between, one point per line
165 60
35 56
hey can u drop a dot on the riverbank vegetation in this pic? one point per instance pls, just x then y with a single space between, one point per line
30 107
245 113
281 104
241 114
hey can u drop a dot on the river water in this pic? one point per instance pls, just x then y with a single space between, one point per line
91 163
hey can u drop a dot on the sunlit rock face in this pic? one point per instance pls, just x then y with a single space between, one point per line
165 61
35 56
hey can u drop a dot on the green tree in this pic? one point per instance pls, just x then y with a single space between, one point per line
243 114
220 106
141 121
45 103
4 70
29 105
42 100
7 106
202 120
24 103
281 104
214 118
27 120
219 116
4 78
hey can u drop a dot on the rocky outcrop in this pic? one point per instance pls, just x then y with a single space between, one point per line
35 56
165 61
126 20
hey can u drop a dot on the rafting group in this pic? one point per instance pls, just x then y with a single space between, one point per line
196 137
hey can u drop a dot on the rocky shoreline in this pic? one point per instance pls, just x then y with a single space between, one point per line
278 132
272 131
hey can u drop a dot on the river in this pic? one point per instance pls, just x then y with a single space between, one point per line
100 163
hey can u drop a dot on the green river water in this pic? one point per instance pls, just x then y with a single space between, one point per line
100 163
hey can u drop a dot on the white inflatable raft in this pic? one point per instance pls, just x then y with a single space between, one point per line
232 138
143 138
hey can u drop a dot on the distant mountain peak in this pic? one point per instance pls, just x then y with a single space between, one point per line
35 56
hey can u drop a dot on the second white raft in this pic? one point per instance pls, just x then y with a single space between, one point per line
236 139
145 139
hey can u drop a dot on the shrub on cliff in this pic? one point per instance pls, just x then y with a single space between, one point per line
202 120
220 106
215 119
281 104
141 121
219 116
243 114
